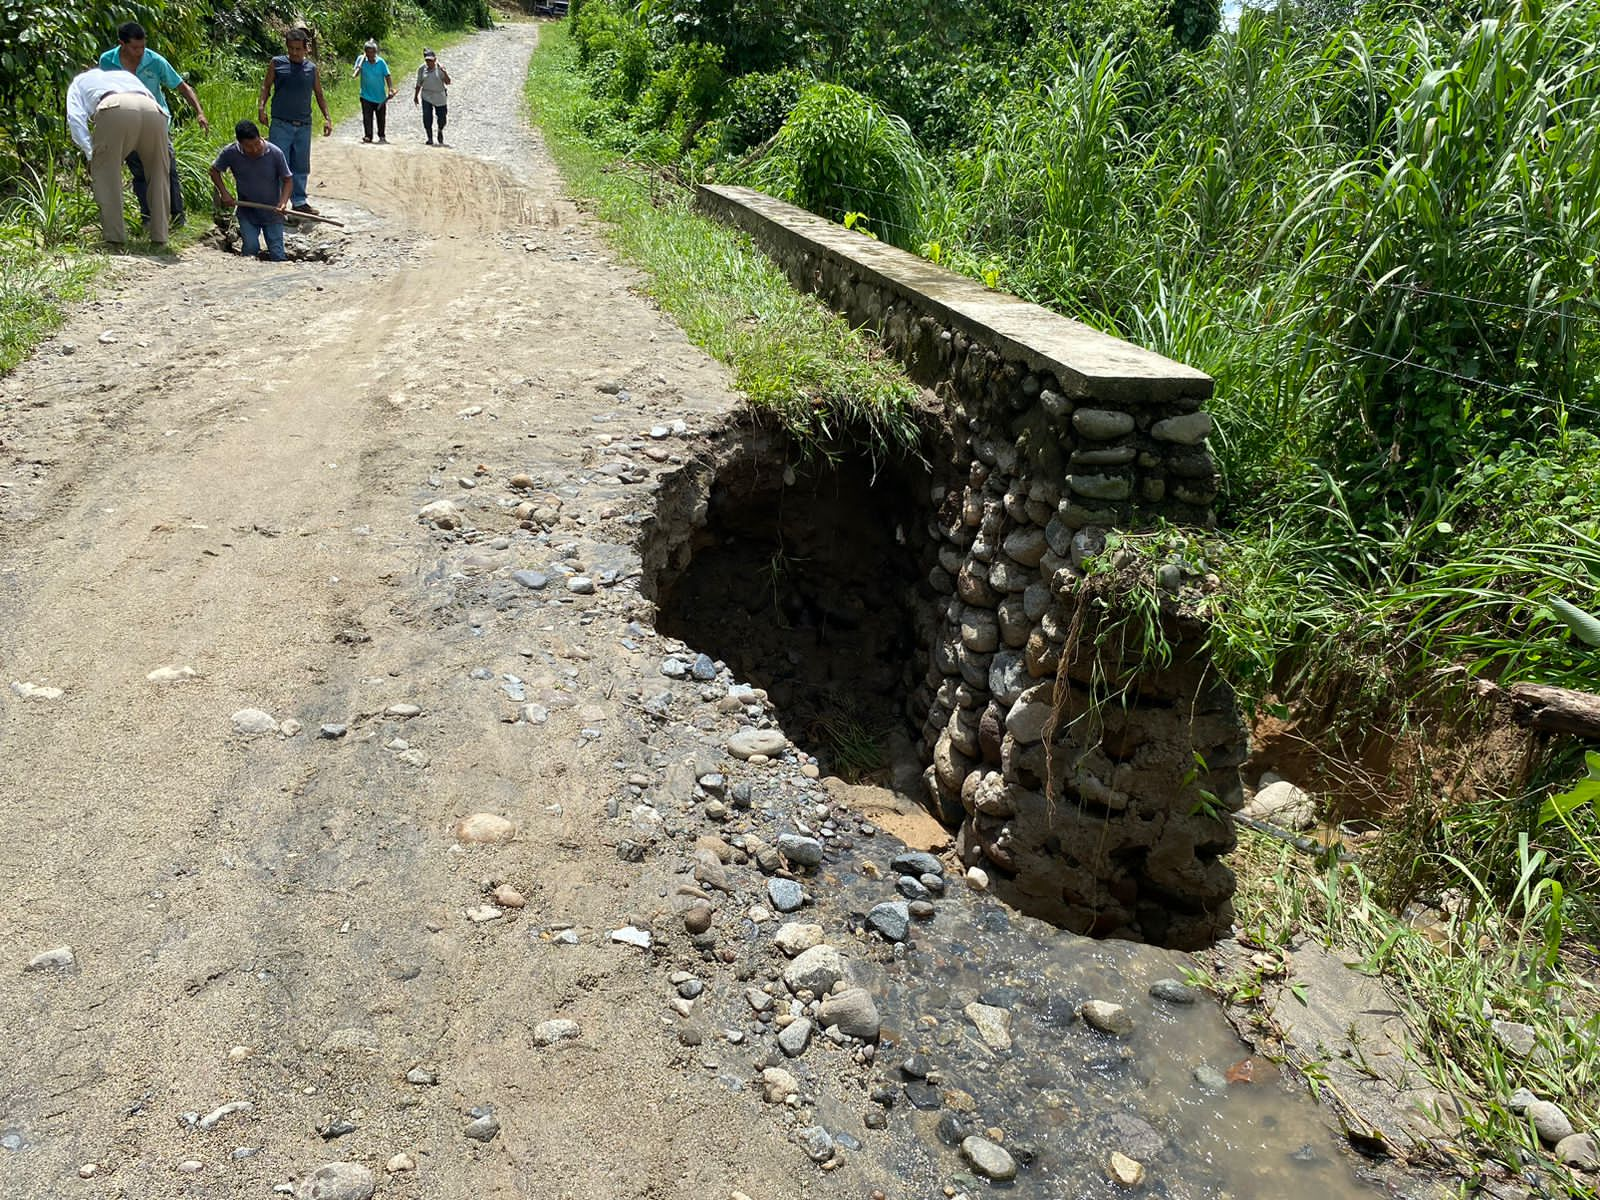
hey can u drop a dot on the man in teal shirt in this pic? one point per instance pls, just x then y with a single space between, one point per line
376 90
156 73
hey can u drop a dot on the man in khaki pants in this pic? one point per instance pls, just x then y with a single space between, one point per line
125 119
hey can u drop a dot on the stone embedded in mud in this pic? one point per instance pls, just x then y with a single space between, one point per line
892 920
853 1011
796 938
1515 1036
993 1025
801 851
1107 1017
252 722
59 959
484 829
815 971
786 895
337 1181
816 1142
916 862
558 1029
1549 1122
748 743
989 1160
1579 1151
794 1037
698 916
441 514
1125 1171
1174 992
777 1085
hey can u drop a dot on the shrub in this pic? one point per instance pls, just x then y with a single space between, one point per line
841 153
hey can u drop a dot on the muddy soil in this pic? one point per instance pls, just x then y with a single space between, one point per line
217 468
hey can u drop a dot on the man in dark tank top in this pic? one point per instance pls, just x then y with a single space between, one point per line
292 83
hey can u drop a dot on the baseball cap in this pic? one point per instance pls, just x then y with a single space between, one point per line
428 54
371 45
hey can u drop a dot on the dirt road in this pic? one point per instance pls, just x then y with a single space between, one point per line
224 475
249 688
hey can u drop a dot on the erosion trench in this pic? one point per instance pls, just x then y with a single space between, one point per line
455 755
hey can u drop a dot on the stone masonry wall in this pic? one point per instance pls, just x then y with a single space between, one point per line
1056 435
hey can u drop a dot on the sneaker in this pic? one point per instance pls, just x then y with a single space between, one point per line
430 141
366 139
383 141
306 208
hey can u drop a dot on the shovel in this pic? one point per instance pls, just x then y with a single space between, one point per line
291 214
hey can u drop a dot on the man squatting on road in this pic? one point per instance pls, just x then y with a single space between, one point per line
291 83
125 119
157 74
261 175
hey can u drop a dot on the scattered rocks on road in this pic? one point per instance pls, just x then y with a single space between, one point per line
559 1029
484 1127
484 829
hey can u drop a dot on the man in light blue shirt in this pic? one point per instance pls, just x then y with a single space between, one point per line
376 90
157 74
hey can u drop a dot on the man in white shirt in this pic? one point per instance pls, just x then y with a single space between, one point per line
111 115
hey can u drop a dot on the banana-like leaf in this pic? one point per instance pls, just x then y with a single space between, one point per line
1585 627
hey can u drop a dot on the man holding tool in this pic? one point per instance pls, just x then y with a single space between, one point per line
292 82
264 182
157 74
376 90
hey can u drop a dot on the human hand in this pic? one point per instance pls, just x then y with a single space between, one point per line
327 127
227 201
261 116
283 207
205 125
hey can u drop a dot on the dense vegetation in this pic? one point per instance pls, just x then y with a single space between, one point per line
1378 226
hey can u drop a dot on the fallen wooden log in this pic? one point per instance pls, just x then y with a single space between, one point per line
1547 709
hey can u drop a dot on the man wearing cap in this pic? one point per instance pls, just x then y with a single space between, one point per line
376 90
112 115
157 74
262 178
292 82
432 80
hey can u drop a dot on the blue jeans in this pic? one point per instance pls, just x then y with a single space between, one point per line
141 185
295 142
252 231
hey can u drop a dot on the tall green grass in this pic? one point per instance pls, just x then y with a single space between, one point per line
791 357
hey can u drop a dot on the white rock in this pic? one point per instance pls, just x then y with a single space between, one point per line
796 938
29 690
1125 1171
1284 805
815 970
209 1121
777 1085
403 711
59 959
977 879
482 829
993 1024
401 1162
630 935
989 1160
558 1029
172 674
483 913
337 1181
252 722
1107 1017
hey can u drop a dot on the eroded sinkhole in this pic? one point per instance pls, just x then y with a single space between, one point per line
801 574
929 631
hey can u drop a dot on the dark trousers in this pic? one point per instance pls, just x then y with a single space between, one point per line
371 109
429 111
141 185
